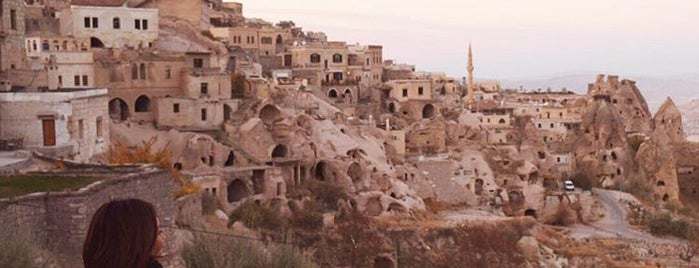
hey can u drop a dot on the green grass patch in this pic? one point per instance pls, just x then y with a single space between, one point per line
13 186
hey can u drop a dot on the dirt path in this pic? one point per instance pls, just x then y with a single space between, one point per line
614 223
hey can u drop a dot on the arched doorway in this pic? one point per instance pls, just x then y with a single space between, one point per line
237 190
280 41
227 111
332 93
280 151
142 104
391 107
118 109
319 171
230 160
530 213
479 186
428 111
269 114
348 93
96 42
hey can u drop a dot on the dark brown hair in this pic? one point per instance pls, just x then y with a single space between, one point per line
122 234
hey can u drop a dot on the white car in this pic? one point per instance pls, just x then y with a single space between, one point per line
569 186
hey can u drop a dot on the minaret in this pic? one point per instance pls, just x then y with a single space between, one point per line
470 76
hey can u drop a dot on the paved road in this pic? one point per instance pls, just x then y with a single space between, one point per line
614 223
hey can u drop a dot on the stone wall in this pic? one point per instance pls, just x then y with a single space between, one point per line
58 222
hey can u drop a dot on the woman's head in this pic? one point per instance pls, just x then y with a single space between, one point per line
123 233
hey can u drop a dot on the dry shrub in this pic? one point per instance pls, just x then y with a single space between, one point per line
664 224
256 216
144 153
310 218
355 244
220 251
485 245
565 216
328 193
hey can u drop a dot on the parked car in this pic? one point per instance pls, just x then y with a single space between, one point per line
569 186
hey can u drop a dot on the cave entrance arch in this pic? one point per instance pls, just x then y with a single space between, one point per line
530 213
479 187
230 160
270 113
142 104
96 42
428 111
332 93
319 171
280 151
118 109
237 190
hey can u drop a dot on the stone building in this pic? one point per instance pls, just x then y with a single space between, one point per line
204 101
68 62
12 28
265 41
135 79
410 98
110 25
67 123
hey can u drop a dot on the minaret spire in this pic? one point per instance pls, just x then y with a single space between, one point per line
470 75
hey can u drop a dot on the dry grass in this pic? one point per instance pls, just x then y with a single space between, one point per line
145 153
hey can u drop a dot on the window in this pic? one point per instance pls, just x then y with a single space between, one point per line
198 63
60 80
116 23
142 71
81 129
420 91
204 88
98 127
176 108
337 58
266 40
77 80
405 92
84 80
203 114
168 73
87 22
144 24
134 72
315 58
13 19
95 22
551 125
137 24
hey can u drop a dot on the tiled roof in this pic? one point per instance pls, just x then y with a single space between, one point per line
103 3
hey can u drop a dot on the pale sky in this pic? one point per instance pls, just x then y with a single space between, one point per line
510 38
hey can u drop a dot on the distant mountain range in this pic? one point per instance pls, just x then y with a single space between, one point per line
682 88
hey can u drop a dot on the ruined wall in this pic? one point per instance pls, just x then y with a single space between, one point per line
58 222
